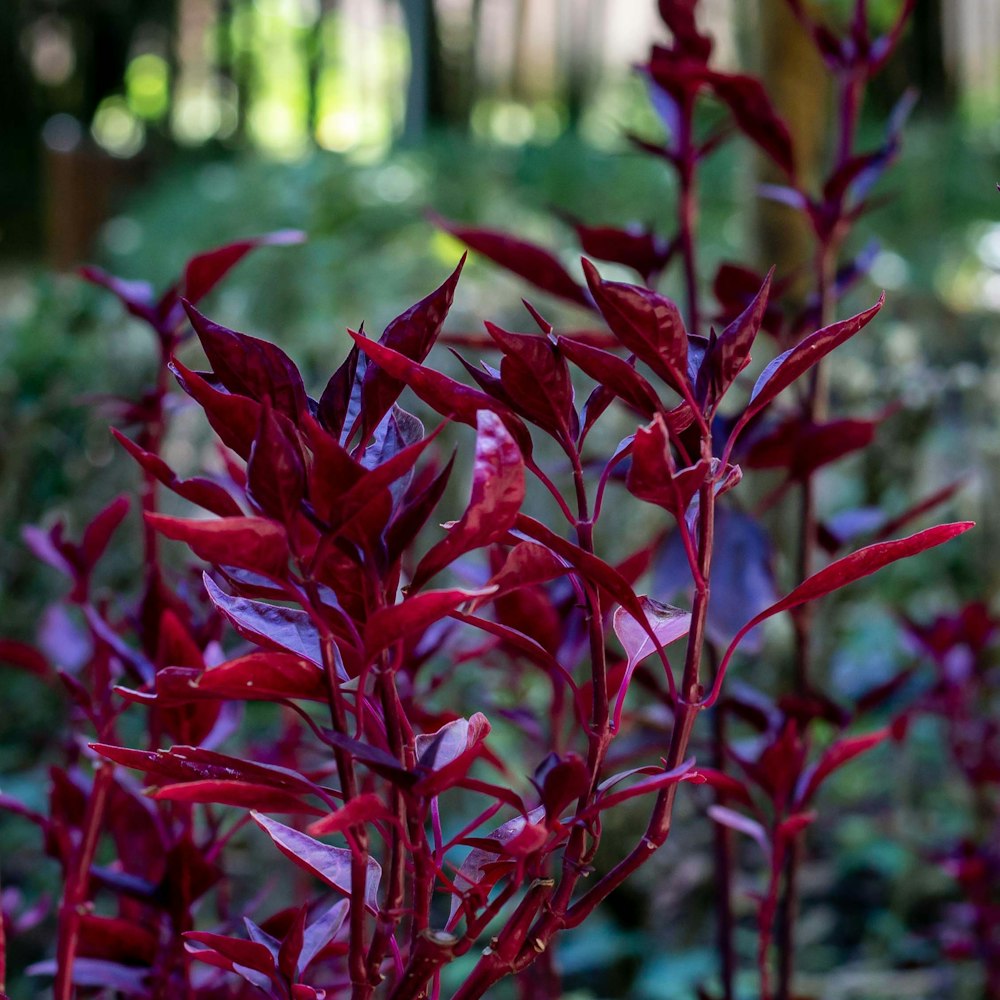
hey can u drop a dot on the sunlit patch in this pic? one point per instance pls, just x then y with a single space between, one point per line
49 43
147 86
116 129
889 270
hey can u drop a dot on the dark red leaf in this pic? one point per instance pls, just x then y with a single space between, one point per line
206 270
835 757
247 542
640 249
527 564
246 953
245 794
265 677
787 367
412 616
843 572
496 497
251 367
233 417
756 117
98 533
276 474
646 323
366 808
615 374
524 259
729 354
412 334
652 475
203 492
183 763
20 654
443 394
535 377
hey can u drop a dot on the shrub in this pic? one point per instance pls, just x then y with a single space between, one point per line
332 596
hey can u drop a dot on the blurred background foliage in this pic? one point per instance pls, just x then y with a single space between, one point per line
135 133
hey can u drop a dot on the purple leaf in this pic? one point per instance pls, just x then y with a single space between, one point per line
331 864
667 623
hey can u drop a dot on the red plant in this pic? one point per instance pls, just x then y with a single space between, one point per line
328 595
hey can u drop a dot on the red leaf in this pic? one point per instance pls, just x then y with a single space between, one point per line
265 677
683 772
136 296
755 116
527 564
98 533
372 483
246 953
202 492
615 373
441 393
835 757
496 498
590 567
803 447
206 270
366 808
524 259
116 939
251 367
646 323
20 654
412 334
726 785
412 616
233 417
728 355
536 378
245 794
247 542
640 249
183 763
276 475
843 572
787 367
652 476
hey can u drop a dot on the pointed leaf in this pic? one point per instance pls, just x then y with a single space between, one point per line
244 794
497 494
247 542
787 367
411 334
265 676
843 572
250 366
647 324
667 623
527 260
331 864
206 270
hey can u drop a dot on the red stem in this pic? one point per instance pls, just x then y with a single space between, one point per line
78 882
